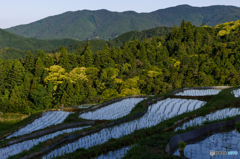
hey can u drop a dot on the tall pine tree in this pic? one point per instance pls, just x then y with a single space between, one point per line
29 62
88 56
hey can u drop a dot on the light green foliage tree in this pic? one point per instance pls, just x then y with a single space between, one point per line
125 68
56 75
109 72
92 73
100 86
109 94
130 86
78 73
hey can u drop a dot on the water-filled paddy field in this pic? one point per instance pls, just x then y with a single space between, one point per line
194 92
227 141
156 113
113 111
219 114
162 110
49 118
26 145
236 93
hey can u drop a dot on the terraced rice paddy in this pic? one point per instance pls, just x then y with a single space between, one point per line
236 93
156 113
117 154
26 145
200 92
113 111
227 141
219 114
49 118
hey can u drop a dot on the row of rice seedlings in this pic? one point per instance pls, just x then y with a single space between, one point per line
26 145
113 111
47 119
200 92
148 120
219 114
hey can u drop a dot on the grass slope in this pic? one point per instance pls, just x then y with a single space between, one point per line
104 24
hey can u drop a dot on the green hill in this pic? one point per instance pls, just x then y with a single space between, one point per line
105 25
12 50
11 40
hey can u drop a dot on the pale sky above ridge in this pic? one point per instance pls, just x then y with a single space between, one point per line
17 12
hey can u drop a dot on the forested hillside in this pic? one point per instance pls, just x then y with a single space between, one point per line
188 56
98 45
15 47
13 41
106 25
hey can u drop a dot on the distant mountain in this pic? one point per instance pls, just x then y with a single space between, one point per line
105 25
13 41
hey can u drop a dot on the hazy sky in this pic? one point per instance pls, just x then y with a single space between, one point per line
16 12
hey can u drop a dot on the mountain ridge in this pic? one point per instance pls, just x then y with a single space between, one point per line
106 24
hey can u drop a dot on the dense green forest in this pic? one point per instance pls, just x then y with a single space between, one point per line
11 45
106 25
187 56
98 45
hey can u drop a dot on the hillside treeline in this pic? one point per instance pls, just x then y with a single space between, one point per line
15 47
189 56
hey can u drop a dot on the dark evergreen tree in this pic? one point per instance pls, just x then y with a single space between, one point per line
38 95
2 79
49 61
79 92
29 62
64 60
88 56
16 74
42 55
79 51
